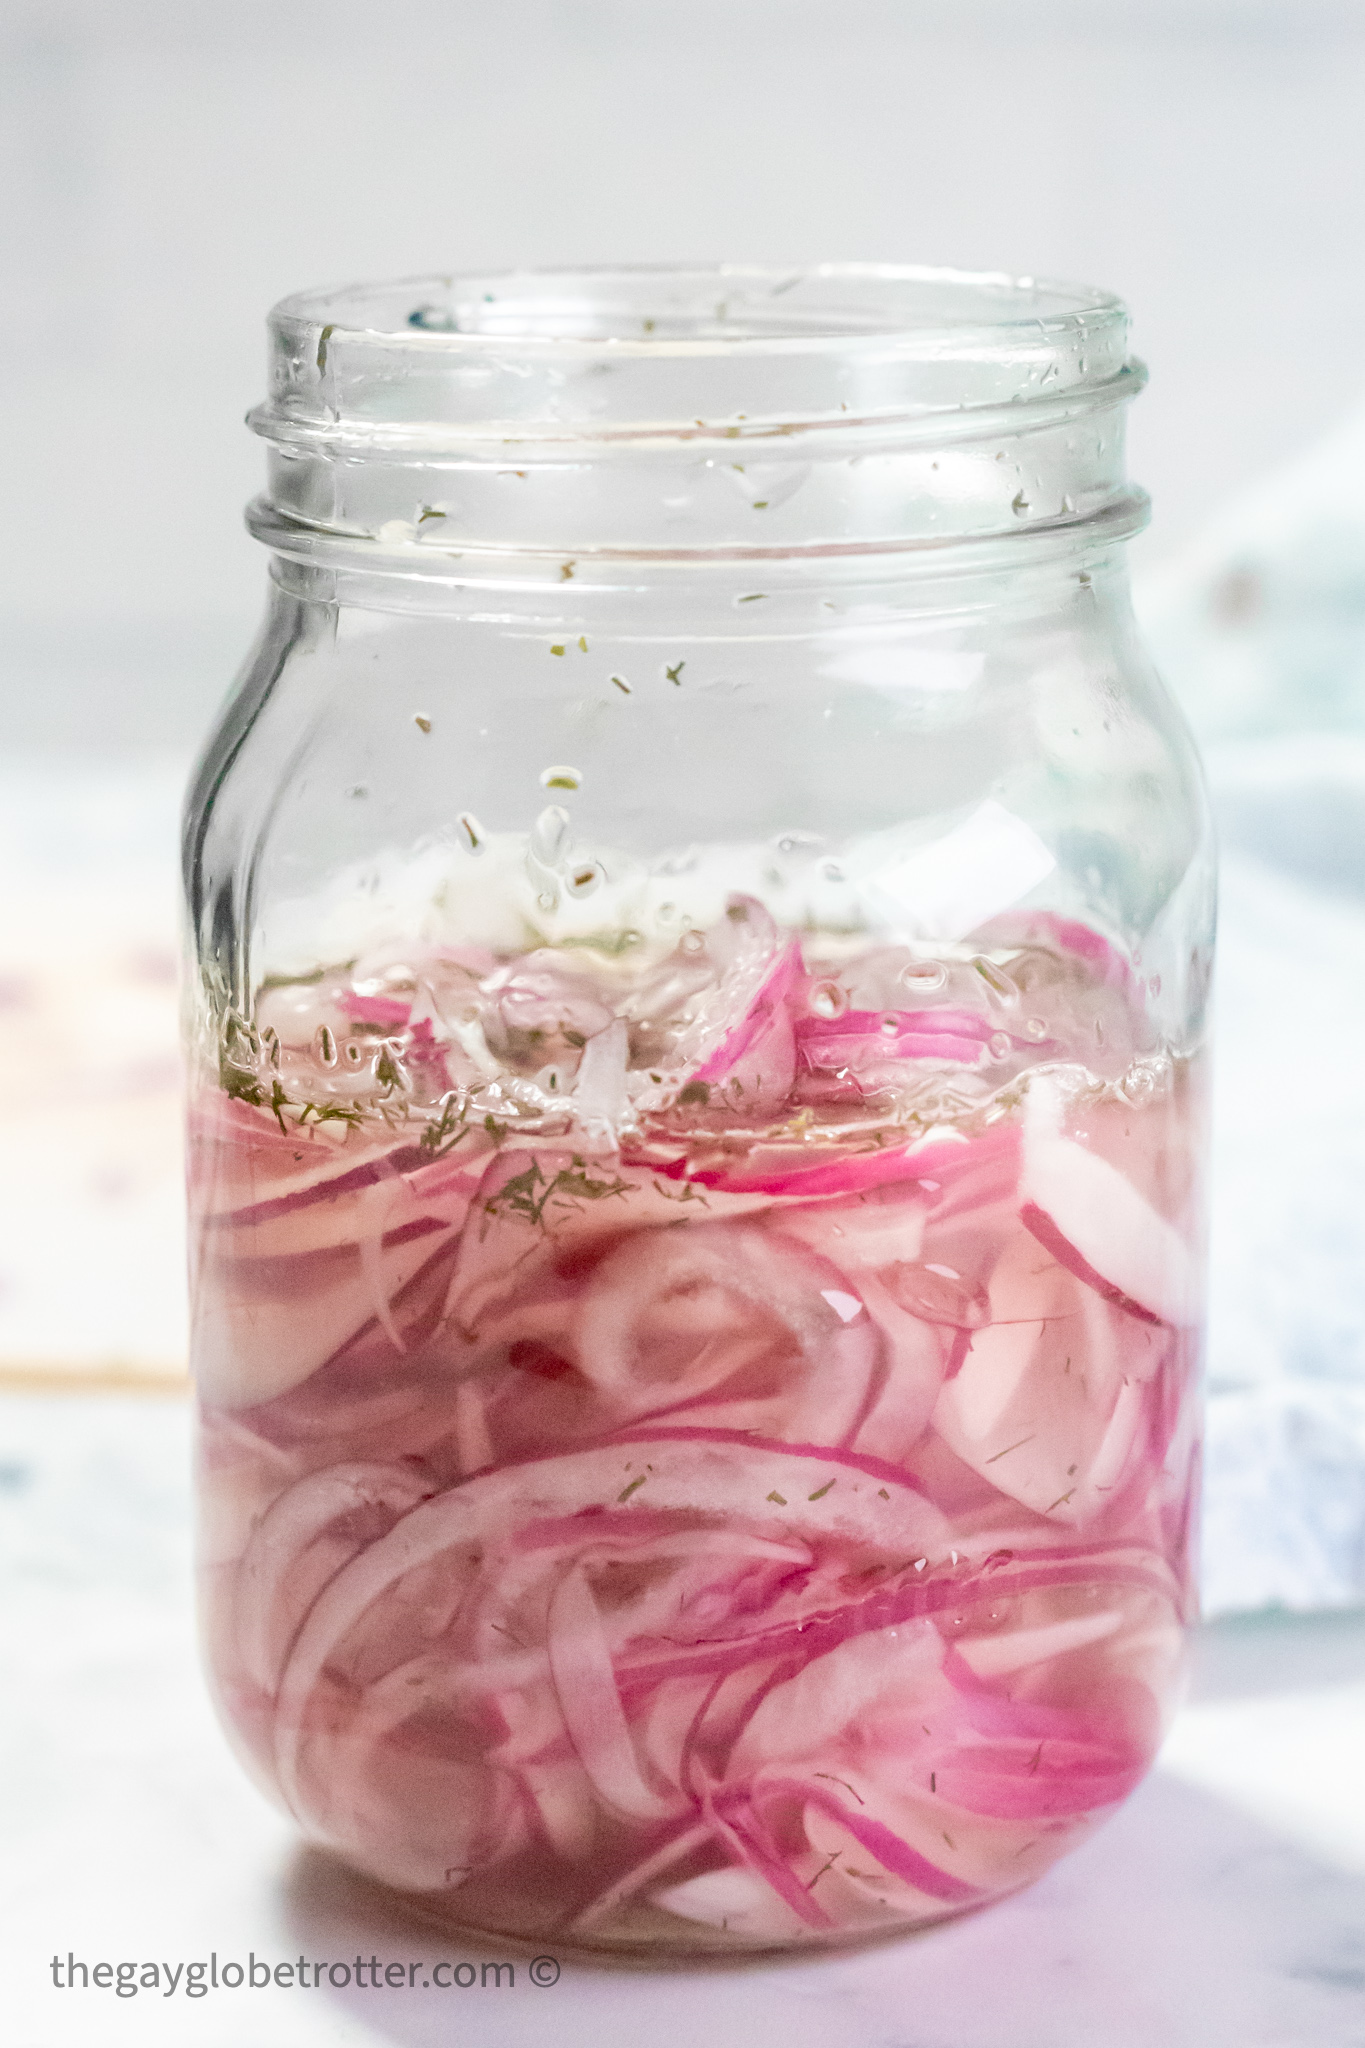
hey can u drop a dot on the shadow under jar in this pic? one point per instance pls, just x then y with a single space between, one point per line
702 918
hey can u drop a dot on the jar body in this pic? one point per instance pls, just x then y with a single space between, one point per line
697 1166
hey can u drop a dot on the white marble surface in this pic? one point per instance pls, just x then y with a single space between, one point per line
1224 1908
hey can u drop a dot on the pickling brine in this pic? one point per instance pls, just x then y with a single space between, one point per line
701 918
699 1451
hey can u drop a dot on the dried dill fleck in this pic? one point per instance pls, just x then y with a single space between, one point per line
349 1113
566 570
698 1092
582 643
557 650
674 674
422 723
882 1493
528 1193
447 1131
689 1192
387 1071
633 1487
841 1781
241 1087
622 685
752 597
428 512
820 1492
326 335
760 504
778 1497
1011 1447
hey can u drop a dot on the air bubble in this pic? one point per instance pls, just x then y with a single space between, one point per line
546 899
549 834
923 976
828 1000
831 871
997 981
999 1045
692 942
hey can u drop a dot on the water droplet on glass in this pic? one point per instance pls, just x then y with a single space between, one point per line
546 899
1035 1028
996 980
828 1000
549 833
999 1045
831 871
471 832
1154 984
630 938
692 942
560 778
923 976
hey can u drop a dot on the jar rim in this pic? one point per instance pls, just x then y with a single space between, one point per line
607 354
656 310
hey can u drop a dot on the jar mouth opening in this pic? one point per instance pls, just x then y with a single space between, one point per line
611 354
657 310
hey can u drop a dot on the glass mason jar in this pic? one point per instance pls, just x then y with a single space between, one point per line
702 916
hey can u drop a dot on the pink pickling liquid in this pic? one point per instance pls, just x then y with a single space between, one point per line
701 1458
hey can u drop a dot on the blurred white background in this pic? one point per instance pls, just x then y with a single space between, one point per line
171 167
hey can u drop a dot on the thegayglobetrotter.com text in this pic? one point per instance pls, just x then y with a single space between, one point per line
196 1980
